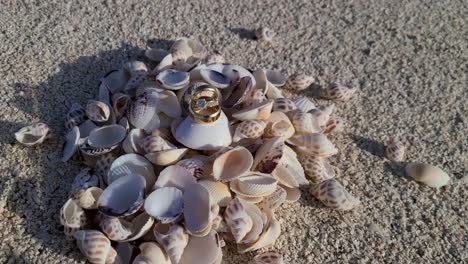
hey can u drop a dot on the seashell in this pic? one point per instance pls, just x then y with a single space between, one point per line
173 79
269 258
193 165
299 82
95 246
283 105
91 154
274 200
317 169
214 78
165 204
32 135
87 199
103 164
75 116
123 196
334 125
71 143
265 35
429 175
115 80
173 239
72 215
115 229
210 247
168 103
237 219
84 180
155 142
267 238
249 129
232 164
337 92
239 91
140 226
107 136
86 127
332 194
165 64
156 55
313 144
151 252
181 50
166 157
133 67
254 97
214 58
137 79
125 252
198 50
197 208
323 114
395 150
304 104
120 103
142 113
131 142
174 176
123 121
257 223
104 94
275 78
132 164
97 111
219 191
279 125
233 72
292 194
257 184
304 123
255 112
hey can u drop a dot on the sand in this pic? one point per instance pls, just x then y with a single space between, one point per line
407 58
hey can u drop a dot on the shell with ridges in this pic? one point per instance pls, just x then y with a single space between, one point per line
395 150
219 191
194 165
174 176
249 129
332 194
257 184
317 169
131 164
155 142
115 229
274 200
173 238
165 204
232 164
142 113
313 144
151 252
95 246
97 111
32 135
237 219
304 104
299 82
427 174
304 123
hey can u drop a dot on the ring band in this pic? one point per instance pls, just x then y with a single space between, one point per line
204 104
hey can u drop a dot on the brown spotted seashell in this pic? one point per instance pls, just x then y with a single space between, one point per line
299 82
95 246
332 194
115 228
337 92
284 105
103 164
322 114
279 125
269 258
265 36
335 124
317 169
395 150
304 123
249 129
255 97
237 219
75 116
97 111
155 142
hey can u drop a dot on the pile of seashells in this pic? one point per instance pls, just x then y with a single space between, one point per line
191 153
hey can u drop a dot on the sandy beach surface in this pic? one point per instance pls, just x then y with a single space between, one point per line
407 58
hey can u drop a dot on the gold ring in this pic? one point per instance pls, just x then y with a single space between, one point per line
204 104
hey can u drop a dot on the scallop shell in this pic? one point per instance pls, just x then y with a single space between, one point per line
219 191
155 142
395 150
274 200
304 104
210 247
249 129
284 105
279 125
269 258
257 184
107 136
337 92
87 199
120 103
193 165
72 215
304 123
267 238
71 143
214 58
255 112
313 144
232 164
334 125
151 252
239 91
131 143
173 238
142 113
181 50
115 229
95 246
265 35
75 116
197 208
332 194
156 55
323 114
214 78
174 176
173 79
84 180
237 219
165 204
427 174
317 169
299 82
97 111
32 135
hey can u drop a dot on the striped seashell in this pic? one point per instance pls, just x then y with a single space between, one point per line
173 238
32 135
335 124
237 219
395 150
274 200
219 191
249 129
284 105
304 123
151 252
427 174
75 116
317 169
155 142
313 144
269 258
323 114
95 246
194 165
265 36
337 92
142 113
116 229
103 164
120 103
304 104
214 58
332 194
97 111
299 82
85 179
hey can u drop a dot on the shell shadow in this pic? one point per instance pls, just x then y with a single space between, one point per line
396 168
308 200
372 146
243 33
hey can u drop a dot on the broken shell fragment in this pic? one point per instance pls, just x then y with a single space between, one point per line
395 150
165 204
87 199
32 135
427 174
97 111
332 194
269 258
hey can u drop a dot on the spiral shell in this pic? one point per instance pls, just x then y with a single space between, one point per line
32 135
322 114
317 169
75 116
332 194
316 144
97 111
279 125
115 228
304 123
337 92
237 219
255 97
265 35
395 150
299 82
284 105
335 124
174 239
95 246
249 129
155 142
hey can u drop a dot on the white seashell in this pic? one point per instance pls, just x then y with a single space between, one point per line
274 200
116 229
267 238
75 116
332 194
168 103
237 219
430 175
115 80
72 215
156 55
254 97
123 196
232 164
71 143
120 103
173 238
219 191
249 129
181 50
284 105
317 169
304 123
132 164
257 184
165 204
166 157
255 112
214 58
299 82
233 72
86 127
174 176
155 142
165 64
131 143
273 92
172 79
395 150
97 111
276 78
198 50
269 258
197 208
238 92
257 223
84 180
214 78
193 165
95 246
142 113
203 250
337 92
304 104
323 114
292 194
107 136
265 36
279 125
133 67
87 199
140 226
32 135
151 252
313 144
334 125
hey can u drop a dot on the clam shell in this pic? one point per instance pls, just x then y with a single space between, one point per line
131 143
165 204
332 194
86 127
140 226
142 113
123 196
107 136
427 174
304 104
233 72
193 165
115 229
304 123
299 82
337 92
173 79
269 258
249 129
275 77
72 215
95 246
181 50
334 125
267 238
151 252
279 125
84 180
197 208
155 142
219 191
71 143
75 116
168 103
313 144
87 199
156 55
202 250
214 78
166 63
132 164
237 219
284 105
317 169
166 157
232 164
323 114
257 184
32 135
115 80
120 103
274 200
97 111
173 238
259 111
174 176
395 150
239 92
214 58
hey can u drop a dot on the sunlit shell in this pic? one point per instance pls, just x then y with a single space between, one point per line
265 35
335 124
97 111
173 79
107 136
168 103
237 219
323 114
173 239
32 135
155 142
142 113
197 208
268 237
151 252
337 92
214 58
166 63
193 165
299 82
257 184
219 191
165 204
120 103
293 194
275 77
75 116
71 144
255 112
95 246
317 169
232 164
174 176
395 150
274 200
269 258
284 105
427 174
116 229
313 144
332 194
210 246
304 123
279 125
181 50
249 129
166 157
304 104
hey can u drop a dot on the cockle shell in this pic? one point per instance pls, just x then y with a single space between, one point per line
107 136
166 157
395 150
232 164
265 35
32 135
132 164
193 165
337 92
219 191
237 219
317 169
120 103
299 82
173 79
268 237
214 58
255 112
332 194
151 252
257 223
323 114
165 204
269 258
97 111
427 174
155 142
71 144
87 199
142 113
210 245
256 184
72 215
75 116
283 105
334 125
313 144
115 229
173 238
131 143
249 129
83 180
279 125
274 200
214 78
174 176
304 104
197 208
181 50
304 123
95 246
